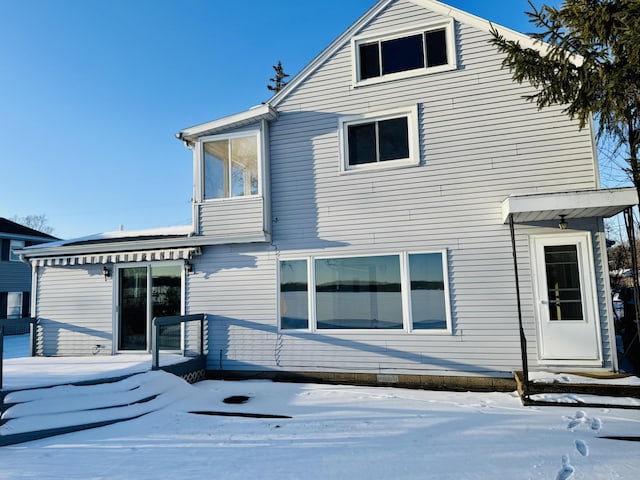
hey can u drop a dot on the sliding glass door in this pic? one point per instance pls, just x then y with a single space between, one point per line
146 292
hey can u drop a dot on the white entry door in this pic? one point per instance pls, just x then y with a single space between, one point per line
566 299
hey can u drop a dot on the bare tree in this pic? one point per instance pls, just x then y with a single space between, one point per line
37 222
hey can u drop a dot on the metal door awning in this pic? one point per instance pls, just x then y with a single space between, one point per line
538 207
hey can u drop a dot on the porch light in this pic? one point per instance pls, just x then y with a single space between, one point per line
106 272
188 266
563 223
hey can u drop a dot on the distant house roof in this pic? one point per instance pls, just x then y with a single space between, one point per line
13 228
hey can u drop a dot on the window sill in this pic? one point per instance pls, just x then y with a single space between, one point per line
231 199
393 77
374 167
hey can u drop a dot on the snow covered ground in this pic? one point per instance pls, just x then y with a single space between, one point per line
335 432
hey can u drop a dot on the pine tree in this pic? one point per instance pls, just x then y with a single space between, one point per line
278 80
590 62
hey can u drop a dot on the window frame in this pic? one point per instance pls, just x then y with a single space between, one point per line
20 296
357 41
409 112
17 245
405 291
201 167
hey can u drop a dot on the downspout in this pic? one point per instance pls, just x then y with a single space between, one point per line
631 236
523 339
33 327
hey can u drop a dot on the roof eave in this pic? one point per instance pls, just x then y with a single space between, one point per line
261 112
540 207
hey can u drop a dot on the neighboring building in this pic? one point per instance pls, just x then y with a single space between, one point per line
15 275
358 223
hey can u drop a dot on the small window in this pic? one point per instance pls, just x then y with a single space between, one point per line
231 167
399 56
15 245
294 295
14 305
371 141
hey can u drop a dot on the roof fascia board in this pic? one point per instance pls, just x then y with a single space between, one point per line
481 24
265 111
329 51
17 236
583 199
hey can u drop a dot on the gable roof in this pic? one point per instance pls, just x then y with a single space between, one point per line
13 228
432 5
267 111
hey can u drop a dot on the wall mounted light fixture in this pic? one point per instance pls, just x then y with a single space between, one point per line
188 266
563 223
106 272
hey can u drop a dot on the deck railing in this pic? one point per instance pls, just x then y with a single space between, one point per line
33 322
159 322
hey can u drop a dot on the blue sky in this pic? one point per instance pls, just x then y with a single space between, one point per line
92 93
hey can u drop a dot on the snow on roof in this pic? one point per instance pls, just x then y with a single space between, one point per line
179 230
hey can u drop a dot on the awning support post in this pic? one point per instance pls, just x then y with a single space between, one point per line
523 339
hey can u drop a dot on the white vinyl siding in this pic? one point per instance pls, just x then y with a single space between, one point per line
75 310
479 142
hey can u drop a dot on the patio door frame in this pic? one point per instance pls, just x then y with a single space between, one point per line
117 269
590 324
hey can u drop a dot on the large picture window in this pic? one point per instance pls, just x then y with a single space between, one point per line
356 293
380 140
426 50
231 167
386 292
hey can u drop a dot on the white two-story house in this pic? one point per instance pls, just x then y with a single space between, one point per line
358 225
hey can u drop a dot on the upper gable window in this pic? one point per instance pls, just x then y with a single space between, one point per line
428 50
231 166
380 139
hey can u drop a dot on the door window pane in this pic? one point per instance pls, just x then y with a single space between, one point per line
133 309
402 54
294 308
428 306
358 293
563 282
166 301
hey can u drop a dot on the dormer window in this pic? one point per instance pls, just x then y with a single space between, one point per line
401 55
231 166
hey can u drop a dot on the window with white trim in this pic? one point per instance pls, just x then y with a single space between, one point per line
15 245
380 140
398 55
406 291
230 166
14 304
